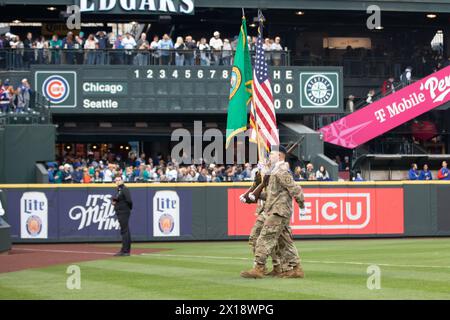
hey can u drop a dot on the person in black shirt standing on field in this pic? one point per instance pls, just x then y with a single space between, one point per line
123 205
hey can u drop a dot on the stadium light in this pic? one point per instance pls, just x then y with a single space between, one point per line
300 13
51 8
431 16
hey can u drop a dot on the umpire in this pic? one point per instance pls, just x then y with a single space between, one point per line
123 205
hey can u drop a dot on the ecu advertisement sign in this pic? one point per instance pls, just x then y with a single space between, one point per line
180 89
331 211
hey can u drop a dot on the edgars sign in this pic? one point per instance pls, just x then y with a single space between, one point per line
137 6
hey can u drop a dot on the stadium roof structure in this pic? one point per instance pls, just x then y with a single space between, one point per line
387 5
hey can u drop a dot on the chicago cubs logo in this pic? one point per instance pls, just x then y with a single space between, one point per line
319 90
56 89
236 80
34 225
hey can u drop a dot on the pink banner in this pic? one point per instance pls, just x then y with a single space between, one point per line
390 112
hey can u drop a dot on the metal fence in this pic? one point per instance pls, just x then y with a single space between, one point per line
22 59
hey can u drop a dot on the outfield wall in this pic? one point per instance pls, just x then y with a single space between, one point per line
80 213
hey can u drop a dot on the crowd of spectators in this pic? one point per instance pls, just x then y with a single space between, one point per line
15 99
425 173
107 48
146 169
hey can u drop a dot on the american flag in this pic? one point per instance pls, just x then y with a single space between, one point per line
263 121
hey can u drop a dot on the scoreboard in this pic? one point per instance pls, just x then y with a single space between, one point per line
188 89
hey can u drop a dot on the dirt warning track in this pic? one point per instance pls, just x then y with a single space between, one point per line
28 256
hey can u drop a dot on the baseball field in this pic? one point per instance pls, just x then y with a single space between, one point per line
335 269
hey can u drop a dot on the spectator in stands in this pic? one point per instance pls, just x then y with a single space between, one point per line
443 173
310 175
358 177
26 92
299 174
350 107
28 56
117 57
66 174
79 46
18 48
203 176
413 174
103 45
406 77
51 173
204 52
189 56
267 47
370 96
69 45
129 44
78 174
154 45
346 165
276 52
39 46
227 53
91 46
19 101
97 176
180 48
322 174
171 173
55 47
59 175
425 174
4 98
216 45
388 86
143 46
165 45
87 178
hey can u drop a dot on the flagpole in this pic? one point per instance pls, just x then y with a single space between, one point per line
258 138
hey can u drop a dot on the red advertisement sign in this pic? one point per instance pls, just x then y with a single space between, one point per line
331 211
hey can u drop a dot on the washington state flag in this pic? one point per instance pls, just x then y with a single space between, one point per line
241 87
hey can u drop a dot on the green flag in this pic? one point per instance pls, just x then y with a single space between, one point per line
241 87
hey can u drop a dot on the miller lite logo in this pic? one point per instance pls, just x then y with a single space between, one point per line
34 216
58 87
166 214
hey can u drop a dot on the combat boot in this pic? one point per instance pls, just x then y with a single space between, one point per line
296 272
256 273
276 271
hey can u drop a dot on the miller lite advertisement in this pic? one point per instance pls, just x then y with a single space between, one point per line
34 216
331 211
166 214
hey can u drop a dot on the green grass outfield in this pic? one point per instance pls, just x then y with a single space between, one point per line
335 269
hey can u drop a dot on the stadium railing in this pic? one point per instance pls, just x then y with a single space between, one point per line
38 112
21 59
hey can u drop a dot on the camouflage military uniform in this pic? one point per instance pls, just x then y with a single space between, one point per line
278 209
259 223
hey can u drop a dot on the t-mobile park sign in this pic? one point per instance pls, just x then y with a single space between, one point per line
390 112
136 6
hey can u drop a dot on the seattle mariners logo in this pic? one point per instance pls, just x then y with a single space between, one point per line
236 80
319 90
56 89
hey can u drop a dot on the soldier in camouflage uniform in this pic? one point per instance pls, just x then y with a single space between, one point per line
257 227
278 196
